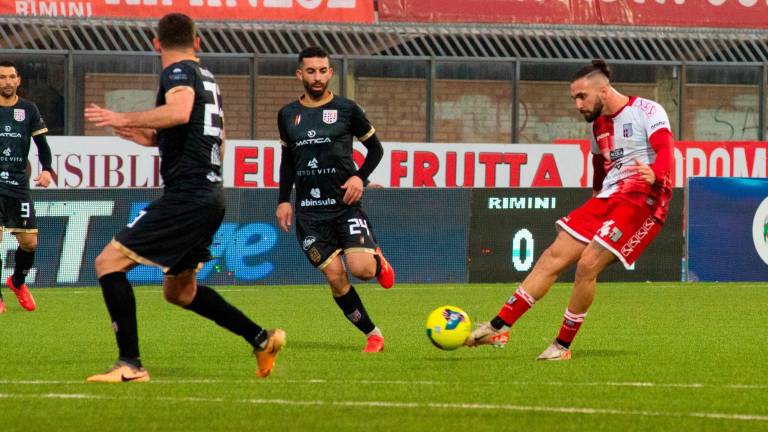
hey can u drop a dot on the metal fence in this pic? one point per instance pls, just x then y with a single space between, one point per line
430 83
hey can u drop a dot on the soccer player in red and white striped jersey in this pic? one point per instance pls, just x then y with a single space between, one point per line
633 157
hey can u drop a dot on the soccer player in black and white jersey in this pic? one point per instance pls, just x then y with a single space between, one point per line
20 122
175 231
316 133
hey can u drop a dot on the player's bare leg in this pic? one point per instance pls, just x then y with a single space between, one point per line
366 265
24 258
563 252
594 259
348 300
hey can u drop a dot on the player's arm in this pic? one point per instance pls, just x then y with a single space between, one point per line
284 211
660 170
44 155
176 111
355 184
663 144
142 136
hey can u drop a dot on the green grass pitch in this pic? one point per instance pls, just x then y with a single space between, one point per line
661 356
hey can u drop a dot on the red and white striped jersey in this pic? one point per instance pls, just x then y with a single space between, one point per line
622 139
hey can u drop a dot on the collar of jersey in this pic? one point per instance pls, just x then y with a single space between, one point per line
15 102
312 104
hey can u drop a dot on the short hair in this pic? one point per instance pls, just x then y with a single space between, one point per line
8 63
176 30
598 66
311 52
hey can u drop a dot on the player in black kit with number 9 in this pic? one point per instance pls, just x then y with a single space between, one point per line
20 121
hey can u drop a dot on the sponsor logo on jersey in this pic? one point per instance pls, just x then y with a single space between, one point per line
658 125
7 152
7 128
313 163
330 116
317 202
19 114
308 242
521 203
760 230
602 135
627 130
4 175
297 120
318 171
313 141
311 133
616 153
315 193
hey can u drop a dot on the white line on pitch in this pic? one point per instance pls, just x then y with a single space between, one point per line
638 384
405 405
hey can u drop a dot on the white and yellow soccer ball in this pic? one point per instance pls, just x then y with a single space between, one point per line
448 327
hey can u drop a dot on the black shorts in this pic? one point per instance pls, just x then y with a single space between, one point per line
171 233
18 214
323 239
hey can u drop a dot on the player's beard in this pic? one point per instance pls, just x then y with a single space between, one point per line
592 115
314 92
8 92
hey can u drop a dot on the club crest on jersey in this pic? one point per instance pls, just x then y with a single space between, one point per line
19 114
330 116
627 130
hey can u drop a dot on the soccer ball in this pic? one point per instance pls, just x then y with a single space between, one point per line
448 327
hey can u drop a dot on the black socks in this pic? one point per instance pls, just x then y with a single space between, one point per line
24 261
354 310
211 305
121 304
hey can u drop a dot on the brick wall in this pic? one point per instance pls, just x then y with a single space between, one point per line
136 92
272 93
395 106
721 112
547 112
473 111
465 111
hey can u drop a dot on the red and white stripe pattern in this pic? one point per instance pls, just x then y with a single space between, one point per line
516 306
571 324
523 294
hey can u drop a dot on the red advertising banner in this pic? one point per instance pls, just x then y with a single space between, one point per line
357 11
98 162
677 13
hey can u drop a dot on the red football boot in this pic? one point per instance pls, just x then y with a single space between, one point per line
22 293
386 277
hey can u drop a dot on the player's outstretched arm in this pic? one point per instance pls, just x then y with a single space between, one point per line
176 111
141 136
